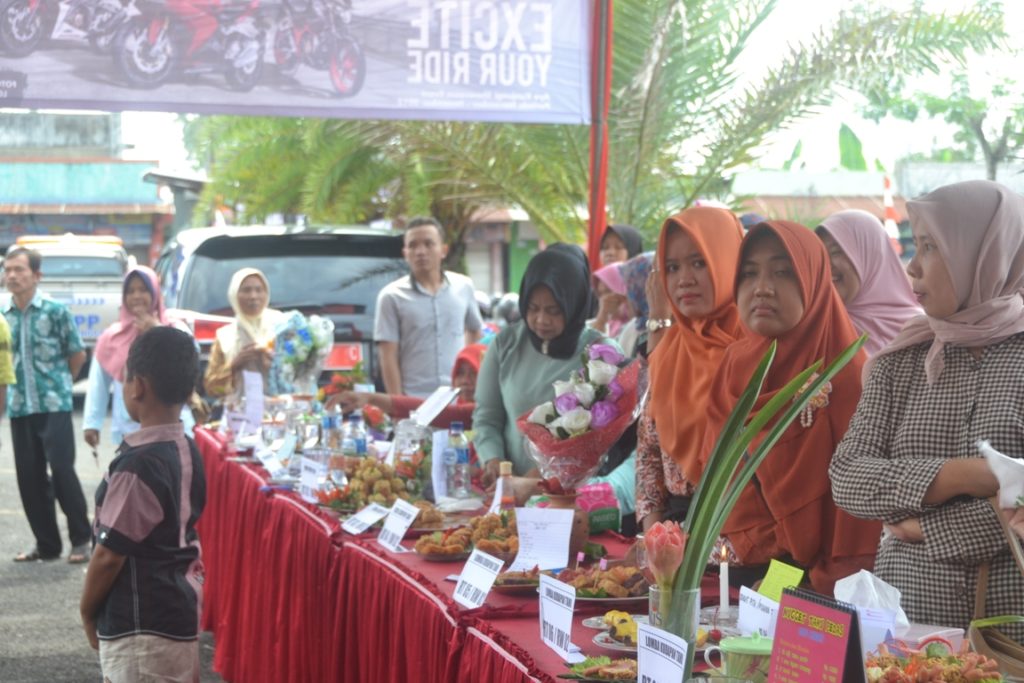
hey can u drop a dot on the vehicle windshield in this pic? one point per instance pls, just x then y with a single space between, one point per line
343 288
82 266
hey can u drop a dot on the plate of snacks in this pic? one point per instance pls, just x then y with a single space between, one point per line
603 669
614 585
428 520
452 545
495 534
603 622
517 583
604 639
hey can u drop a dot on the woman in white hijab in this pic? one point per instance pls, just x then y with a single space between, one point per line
246 343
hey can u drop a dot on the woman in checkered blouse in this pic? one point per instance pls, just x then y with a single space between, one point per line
953 376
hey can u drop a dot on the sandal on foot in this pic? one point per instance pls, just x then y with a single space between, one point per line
79 554
34 556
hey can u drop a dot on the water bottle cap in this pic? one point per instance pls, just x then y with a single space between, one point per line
505 468
456 426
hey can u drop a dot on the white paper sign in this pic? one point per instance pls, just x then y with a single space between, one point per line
252 383
476 579
438 473
661 656
876 626
433 405
287 447
557 601
364 519
1010 473
309 479
364 388
496 503
399 519
543 538
271 463
758 613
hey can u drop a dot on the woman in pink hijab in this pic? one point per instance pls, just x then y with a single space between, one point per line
952 377
142 307
868 276
610 291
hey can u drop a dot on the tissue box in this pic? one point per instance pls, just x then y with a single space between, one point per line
919 635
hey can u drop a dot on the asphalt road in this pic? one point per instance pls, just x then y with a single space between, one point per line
41 638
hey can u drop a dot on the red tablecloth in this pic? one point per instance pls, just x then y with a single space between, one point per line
290 597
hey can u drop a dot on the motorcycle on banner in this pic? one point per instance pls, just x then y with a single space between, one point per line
192 37
315 33
25 23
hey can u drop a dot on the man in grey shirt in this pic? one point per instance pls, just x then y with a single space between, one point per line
425 318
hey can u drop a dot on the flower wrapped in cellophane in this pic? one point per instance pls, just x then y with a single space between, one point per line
301 347
570 436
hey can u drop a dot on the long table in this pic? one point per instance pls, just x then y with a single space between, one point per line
290 597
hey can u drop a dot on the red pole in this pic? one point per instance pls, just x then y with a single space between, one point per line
600 94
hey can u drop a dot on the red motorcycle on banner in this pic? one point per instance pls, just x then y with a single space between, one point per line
315 33
192 36
25 23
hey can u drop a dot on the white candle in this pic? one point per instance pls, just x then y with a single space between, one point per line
723 580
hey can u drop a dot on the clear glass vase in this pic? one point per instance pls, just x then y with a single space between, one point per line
677 612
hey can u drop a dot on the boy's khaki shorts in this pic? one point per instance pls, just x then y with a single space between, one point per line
137 659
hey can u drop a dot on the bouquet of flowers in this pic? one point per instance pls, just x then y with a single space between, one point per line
569 437
301 347
343 380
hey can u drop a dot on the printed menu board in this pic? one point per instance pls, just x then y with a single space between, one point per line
816 641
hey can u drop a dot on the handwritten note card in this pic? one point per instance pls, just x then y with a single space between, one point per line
543 538
780 575
758 613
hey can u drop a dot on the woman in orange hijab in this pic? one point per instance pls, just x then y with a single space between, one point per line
696 262
784 292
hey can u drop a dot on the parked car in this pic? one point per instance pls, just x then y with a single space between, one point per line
335 272
84 272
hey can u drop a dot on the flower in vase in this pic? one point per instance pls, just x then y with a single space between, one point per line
665 543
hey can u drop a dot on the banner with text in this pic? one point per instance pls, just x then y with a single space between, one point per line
468 60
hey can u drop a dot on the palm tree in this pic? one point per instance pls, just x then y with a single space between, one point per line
680 122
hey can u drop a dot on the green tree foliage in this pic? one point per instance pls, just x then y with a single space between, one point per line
990 127
681 120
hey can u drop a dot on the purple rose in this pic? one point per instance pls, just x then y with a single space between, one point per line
615 391
602 414
566 402
605 352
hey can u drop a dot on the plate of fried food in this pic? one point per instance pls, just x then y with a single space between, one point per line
451 545
614 585
517 583
495 534
429 519
603 670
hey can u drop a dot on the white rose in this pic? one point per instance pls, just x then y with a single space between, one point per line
542 413
585 393
576 421
554 425
601 373
563 387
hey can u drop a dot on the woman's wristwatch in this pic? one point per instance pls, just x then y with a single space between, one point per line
655 324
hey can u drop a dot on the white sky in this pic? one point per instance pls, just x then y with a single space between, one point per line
157 136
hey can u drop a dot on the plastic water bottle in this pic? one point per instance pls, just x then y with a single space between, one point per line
458 443
357 431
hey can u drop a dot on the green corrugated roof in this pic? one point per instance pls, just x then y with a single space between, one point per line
91 182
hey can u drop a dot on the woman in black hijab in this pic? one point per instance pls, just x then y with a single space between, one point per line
620 243
526 358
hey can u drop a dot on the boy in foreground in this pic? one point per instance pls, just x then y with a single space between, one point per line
142 597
